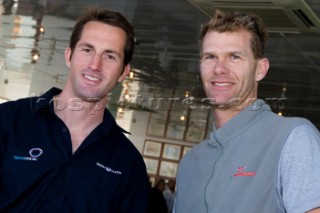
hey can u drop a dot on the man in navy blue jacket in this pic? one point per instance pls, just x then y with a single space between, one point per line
63 151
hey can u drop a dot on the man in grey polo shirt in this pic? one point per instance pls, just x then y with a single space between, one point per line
254 161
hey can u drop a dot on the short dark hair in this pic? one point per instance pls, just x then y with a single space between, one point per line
229 22
107 17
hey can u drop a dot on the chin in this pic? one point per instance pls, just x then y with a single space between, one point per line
90 97
223 103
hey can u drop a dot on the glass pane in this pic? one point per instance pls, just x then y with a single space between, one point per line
177 122
160 104
157 123
197 126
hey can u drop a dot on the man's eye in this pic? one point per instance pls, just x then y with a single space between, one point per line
235 57
86 50
209 57
206 57
111 57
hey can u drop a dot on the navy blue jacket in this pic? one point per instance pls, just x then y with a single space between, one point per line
39 173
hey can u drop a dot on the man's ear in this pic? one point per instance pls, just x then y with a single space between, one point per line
262 69
67 54
124 73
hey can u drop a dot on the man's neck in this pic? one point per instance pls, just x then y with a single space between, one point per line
75 111
223 114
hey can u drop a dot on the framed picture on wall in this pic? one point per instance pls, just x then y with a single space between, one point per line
152 165
152 148
171 151
168 169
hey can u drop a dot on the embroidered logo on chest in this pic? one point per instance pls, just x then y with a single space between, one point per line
108 169
242 171
34 153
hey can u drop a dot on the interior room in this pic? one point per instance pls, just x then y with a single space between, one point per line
162 102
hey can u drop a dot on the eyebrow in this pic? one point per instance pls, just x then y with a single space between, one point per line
237 52
113 52
86 44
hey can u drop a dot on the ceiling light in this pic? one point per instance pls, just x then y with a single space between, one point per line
34 55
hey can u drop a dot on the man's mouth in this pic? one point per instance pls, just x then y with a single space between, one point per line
91 78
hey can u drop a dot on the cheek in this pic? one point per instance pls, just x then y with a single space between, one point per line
112 70
250 81
203 73
78 63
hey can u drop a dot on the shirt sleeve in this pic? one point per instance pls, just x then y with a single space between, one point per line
299 170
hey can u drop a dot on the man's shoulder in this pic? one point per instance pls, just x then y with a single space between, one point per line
294 122
10 106
27 102
279 121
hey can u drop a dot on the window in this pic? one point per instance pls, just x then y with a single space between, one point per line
177 117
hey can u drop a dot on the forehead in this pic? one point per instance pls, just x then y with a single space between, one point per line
95 27
103 34
227 40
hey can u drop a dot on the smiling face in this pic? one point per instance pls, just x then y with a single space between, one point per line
229 71
96 64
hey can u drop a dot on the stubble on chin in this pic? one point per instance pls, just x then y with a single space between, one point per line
234 104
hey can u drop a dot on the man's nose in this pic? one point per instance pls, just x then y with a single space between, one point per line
220 67
95 62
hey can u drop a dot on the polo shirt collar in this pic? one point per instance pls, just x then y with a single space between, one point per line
240 123
45 103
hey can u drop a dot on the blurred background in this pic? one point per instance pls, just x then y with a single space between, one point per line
161 102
